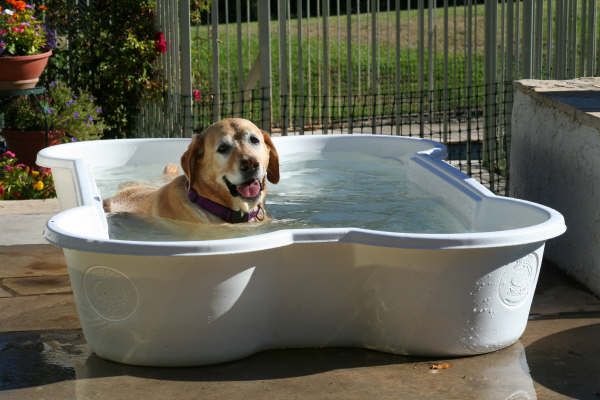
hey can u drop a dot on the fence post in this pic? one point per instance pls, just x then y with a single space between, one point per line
186 68
528 27
421 40
300 72
374 84
264 43
560 40
216 85
240 57
446 106
489 109
538 37
592 29
349 63
325 77
397 100
283 66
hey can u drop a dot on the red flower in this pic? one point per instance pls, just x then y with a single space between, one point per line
196 94
160 44
20 5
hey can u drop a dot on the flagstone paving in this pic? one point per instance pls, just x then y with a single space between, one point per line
43 353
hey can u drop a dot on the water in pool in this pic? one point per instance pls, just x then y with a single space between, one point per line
336 190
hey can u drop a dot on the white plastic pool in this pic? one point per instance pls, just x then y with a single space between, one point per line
177 303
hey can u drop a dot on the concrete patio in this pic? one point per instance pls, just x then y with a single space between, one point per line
43 354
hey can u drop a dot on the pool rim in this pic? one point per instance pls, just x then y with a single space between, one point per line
552 226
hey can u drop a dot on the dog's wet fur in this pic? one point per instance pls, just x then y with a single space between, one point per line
228 163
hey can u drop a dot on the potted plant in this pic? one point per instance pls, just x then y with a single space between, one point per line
66 115
20 182
24 44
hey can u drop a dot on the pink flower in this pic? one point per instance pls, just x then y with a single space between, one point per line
196 94
160 44
8 168
9 154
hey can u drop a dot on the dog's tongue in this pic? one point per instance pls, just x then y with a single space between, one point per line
249 190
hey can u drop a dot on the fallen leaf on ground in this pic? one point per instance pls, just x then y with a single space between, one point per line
442 365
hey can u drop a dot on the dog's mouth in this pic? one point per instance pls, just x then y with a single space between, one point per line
249 190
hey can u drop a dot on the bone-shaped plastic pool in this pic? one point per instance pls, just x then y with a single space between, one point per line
200 302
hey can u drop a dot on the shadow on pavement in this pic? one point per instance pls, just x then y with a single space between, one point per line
60 363
568 362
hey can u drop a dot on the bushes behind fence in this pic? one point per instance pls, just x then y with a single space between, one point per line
108 48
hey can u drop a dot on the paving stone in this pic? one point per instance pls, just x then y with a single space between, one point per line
44 355
4 293
23 221
557 294
30 313
551 361
23 229
39 285
31 260
25 207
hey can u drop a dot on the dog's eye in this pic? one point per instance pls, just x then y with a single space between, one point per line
254 140
223 148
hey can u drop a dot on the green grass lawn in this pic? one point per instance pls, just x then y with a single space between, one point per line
312 48
452 71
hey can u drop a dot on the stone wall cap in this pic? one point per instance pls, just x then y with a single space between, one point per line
578 98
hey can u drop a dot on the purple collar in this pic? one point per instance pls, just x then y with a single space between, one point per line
226 214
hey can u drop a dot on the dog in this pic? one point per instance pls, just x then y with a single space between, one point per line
225 172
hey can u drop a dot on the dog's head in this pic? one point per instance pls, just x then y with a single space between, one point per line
230 162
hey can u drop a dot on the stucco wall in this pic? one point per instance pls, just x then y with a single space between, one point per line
555 160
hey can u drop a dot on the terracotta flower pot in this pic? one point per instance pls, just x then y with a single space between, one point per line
26 144
22 72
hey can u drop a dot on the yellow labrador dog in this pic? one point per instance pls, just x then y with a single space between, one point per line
226 168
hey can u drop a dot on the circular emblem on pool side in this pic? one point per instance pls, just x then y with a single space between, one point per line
517 280
110 293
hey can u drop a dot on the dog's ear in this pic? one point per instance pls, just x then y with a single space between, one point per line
273 168
188 160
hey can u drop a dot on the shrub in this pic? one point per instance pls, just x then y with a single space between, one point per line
109 48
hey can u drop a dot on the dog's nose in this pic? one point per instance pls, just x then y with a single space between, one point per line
248 165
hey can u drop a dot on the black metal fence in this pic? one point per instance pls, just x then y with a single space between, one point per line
477 145
350 69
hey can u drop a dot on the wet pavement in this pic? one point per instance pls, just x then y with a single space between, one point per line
43 354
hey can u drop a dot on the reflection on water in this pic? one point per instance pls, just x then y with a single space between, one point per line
502 375
342 190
